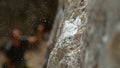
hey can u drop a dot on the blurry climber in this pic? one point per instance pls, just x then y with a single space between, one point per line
15 50
37 51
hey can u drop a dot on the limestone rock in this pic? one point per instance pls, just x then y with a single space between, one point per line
69 46
103 34
88 38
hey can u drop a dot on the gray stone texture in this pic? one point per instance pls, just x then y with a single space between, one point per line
91 38
69 48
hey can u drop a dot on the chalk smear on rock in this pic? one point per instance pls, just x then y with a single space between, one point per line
70 28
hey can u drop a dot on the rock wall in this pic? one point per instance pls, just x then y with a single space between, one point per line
69 47
88 38
103 34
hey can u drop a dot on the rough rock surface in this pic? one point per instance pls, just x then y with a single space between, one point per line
88 42
69 48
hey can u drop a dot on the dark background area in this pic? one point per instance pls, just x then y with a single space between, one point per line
25 15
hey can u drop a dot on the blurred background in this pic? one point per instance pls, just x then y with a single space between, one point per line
26 15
